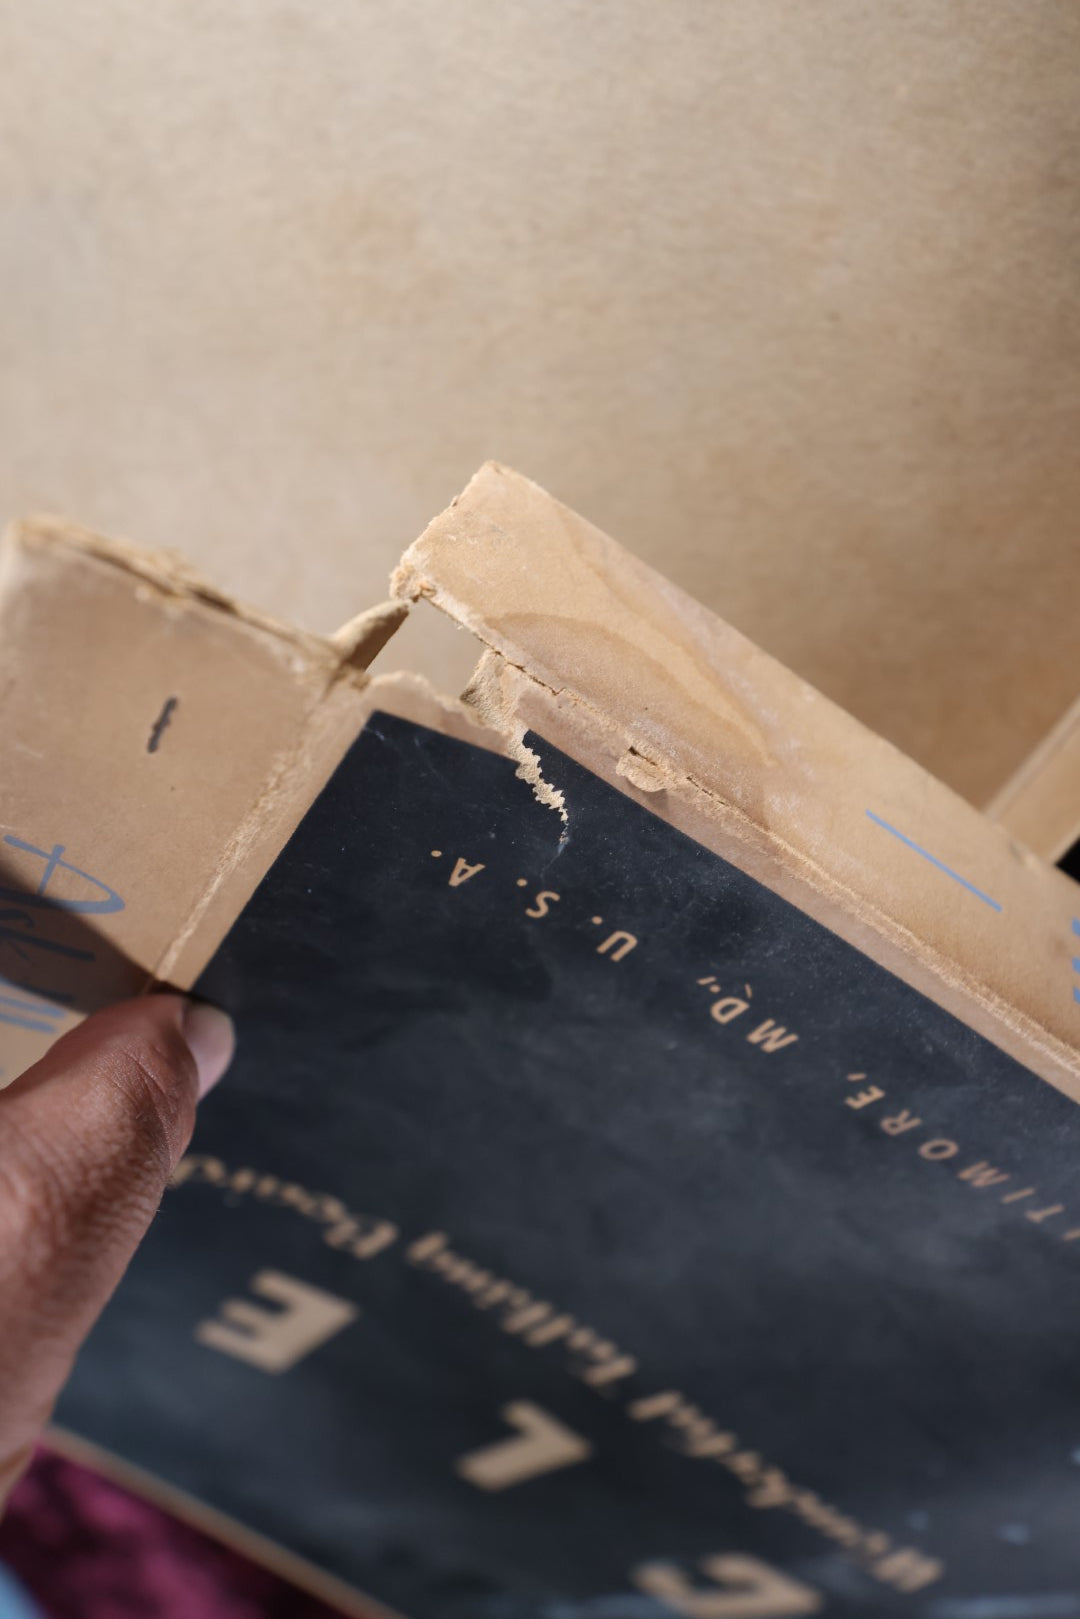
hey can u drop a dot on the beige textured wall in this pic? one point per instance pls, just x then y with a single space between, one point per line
784 296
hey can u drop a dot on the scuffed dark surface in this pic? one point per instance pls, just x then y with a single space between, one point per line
896 1340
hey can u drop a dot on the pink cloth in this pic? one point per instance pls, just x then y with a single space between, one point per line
85 1549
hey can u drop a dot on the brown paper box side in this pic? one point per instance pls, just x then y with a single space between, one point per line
808 272
609 661
586 645
159 745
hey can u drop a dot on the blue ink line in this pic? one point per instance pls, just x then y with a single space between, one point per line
27 1023
940 864
24 989
1076 994
28 1006
1076 924
51 997
1076 964
19 940
53 863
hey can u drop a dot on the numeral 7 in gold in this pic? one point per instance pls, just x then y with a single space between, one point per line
541 1445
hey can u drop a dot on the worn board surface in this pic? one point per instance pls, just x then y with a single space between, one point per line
629 1302
159 743
608 659
785 296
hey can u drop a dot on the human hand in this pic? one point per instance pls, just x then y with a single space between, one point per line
88 1139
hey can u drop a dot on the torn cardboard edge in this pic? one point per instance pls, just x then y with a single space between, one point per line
166 742
352 647
708 731
582 644
270 823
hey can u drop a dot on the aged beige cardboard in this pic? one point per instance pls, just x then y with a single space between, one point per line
158 743
785 296
601 655
151 824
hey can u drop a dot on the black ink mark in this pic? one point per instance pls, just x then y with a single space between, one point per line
167 710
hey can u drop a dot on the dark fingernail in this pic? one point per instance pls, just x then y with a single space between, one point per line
211 1040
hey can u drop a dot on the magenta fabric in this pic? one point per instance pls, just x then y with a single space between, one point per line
85 1549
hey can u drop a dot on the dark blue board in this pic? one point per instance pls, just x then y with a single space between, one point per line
784 1337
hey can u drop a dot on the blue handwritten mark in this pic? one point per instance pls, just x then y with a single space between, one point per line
934 861
21 1018
34 992
110 900
28 1009
27 1005
1076 961
20 940
27 1023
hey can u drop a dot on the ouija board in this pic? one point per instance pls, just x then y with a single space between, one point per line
586 1232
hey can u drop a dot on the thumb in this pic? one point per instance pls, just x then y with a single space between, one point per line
88 1139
